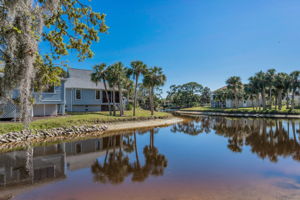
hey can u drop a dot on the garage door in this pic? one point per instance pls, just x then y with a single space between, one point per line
45 110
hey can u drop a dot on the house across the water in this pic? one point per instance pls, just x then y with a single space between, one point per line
216 102
77 93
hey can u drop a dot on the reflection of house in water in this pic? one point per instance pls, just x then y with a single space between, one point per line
83 154
31 166
25 170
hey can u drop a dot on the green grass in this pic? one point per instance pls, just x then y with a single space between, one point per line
73 119
284 110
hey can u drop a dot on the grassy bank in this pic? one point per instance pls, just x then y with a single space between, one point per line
73 119
284 110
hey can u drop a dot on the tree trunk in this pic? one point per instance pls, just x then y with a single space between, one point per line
276 102
293 100
151 100
257 102
271 100
263 96
25 90
235 100
121 99
287 102
280 99
114 101
107 97
135 93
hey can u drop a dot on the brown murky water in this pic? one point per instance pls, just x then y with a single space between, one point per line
204 158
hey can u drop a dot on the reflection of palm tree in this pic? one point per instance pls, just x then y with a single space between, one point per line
114 170
267 138
117 166
155 163
234 144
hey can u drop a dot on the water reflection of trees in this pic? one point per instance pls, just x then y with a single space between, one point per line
118 165
268 138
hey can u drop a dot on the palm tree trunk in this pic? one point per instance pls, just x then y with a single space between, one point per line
121 99
135 93
280 100
235 100
151 101
263 96
107 97
293 100
114 101
270 96
257 102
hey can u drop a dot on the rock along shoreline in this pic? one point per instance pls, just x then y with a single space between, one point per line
29 137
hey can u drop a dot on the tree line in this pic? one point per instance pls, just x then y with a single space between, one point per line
265 90
126 79
188 95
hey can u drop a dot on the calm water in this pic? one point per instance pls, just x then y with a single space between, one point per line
204 158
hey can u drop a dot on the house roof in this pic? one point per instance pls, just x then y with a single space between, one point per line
80 78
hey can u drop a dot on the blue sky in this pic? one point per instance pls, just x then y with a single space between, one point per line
200 40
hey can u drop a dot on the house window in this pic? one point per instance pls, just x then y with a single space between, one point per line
98 94
78 94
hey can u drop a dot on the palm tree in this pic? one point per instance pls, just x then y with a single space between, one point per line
280 86
286 90
117 73
100 74
234 83
250 93
262 84
270 77
295 84
128 84
137 68
153 78
112 84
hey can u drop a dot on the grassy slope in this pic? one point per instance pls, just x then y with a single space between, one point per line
77 119
244 110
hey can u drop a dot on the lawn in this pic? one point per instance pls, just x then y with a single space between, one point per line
284 110
73 119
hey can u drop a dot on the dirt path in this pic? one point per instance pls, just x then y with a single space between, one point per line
119 126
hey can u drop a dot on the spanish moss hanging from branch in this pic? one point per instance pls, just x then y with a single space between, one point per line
65 24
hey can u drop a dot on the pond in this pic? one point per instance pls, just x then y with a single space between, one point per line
200 158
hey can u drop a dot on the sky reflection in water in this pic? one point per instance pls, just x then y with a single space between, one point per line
202 158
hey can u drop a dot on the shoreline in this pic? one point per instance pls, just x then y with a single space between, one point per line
227 114
79 133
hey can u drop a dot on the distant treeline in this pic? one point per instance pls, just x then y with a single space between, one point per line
188 95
